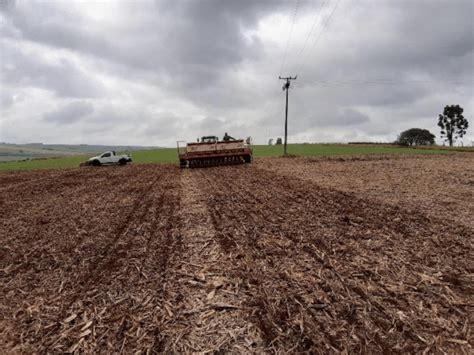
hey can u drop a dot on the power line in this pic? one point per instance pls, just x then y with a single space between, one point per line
381 82
320 34
289 36
316 18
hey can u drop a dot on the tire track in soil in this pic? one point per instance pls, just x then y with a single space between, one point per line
114 248
240 193
52 184
8 180
50 212
377 177
31 246
141 268
163 250
207 307
400 230
243 243
64 186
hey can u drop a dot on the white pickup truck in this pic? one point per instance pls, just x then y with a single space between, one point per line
109 158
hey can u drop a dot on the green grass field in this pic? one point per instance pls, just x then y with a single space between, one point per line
168 155
338 149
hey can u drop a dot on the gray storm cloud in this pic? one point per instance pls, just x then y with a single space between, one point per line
158 71
70 113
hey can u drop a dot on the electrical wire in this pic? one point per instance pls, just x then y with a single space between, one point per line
303 62
289 36
379 82
315 21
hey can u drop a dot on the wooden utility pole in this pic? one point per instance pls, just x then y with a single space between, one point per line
286 87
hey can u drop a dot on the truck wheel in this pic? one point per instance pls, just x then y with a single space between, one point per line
96 163
122 161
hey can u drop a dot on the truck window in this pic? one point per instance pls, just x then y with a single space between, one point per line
105 155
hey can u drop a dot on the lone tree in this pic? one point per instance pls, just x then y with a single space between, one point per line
278 141
452 123
416 136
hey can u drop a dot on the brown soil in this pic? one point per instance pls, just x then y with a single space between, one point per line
285 255
442 186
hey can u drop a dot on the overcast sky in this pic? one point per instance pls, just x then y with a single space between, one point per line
153 72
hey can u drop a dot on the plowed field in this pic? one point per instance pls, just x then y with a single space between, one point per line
283 255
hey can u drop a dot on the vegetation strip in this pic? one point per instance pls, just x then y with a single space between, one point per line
169 155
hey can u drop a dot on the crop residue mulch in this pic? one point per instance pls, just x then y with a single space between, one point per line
240 258
439 185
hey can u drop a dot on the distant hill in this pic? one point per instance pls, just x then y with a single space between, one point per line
12 152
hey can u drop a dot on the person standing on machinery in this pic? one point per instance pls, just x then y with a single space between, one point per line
228 138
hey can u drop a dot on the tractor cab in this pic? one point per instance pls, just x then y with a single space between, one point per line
209 139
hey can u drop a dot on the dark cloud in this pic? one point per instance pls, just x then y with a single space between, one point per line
162 70
7 5
22 68
350 117
70 113
191 45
